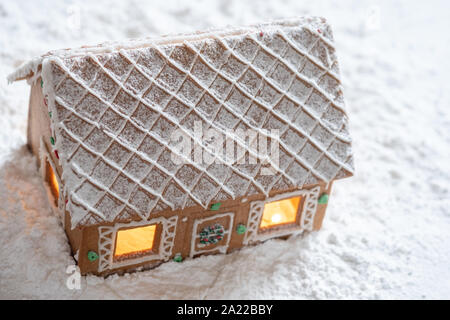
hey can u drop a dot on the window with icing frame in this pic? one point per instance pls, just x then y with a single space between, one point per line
280 213
137 241
52 181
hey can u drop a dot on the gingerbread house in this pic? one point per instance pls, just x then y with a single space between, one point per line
102 122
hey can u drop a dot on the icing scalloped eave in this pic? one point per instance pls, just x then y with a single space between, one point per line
26 70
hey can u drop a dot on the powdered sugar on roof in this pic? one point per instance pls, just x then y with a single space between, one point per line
115 111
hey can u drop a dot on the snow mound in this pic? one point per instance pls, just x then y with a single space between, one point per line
386 232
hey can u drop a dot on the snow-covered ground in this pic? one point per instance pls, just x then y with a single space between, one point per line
387 230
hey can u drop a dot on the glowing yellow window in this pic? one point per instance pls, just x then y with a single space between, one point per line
280 212
53 182
135 240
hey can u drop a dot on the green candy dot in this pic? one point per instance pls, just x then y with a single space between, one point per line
215 206
52 141
240 229
50 114
42 83
92 256
323 199
178 258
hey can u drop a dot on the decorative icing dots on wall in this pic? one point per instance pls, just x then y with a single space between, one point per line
178 257
241 228
323 199
92 256
215 206
212 234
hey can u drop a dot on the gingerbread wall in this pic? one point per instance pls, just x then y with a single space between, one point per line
39 130
187 228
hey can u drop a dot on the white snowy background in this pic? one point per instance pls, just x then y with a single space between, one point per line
387 229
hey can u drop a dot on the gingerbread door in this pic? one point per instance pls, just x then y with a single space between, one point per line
212 234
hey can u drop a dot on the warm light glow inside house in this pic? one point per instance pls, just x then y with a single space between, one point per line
135 240
53 181
280 212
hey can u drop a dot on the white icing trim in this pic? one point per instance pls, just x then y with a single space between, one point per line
27 69
306 221
309 209
31 80
195 234
48 91
107 240
45 157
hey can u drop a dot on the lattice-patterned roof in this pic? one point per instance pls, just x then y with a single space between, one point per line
116 107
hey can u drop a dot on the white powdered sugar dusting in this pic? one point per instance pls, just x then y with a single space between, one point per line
386 230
